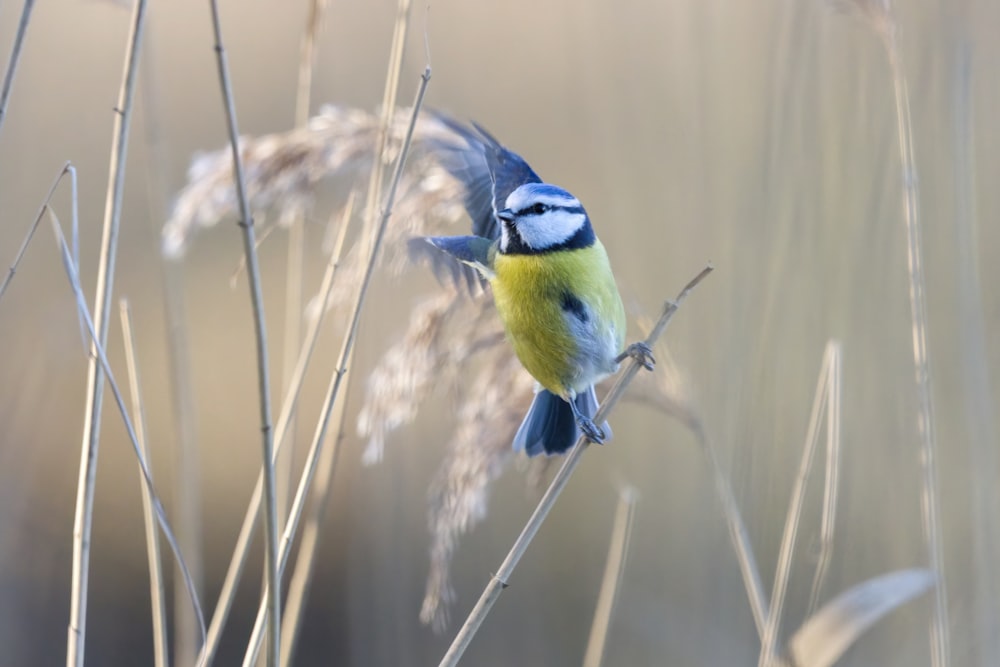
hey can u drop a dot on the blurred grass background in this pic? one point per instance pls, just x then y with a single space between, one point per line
758 135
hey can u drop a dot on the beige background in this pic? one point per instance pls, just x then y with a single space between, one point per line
758 135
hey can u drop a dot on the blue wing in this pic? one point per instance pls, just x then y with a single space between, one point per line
469 251
488 171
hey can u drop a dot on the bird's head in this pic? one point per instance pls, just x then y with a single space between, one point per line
538 218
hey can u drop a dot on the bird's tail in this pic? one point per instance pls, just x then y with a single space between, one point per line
550 426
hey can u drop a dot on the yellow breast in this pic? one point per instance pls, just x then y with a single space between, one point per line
530 292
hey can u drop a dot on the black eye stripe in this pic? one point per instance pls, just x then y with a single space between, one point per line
540 208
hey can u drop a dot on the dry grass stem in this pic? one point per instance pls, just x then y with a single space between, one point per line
499 581
301 577
157 588
86 485
831 484
296 252
69 169
670 394
346 351
288 408
98 350
821 401
930 498
273 588
15 58
614 570
980 398
186 507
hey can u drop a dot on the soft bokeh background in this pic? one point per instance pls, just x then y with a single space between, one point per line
760 135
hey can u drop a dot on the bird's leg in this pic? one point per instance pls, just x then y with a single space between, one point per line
592 431
641 353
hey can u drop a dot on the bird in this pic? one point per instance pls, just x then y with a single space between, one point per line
553 288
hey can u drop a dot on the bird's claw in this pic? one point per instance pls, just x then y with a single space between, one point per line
641 353
591 431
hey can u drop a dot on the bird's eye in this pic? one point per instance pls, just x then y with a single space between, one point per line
539 208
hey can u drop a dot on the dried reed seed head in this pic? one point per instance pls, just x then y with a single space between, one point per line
478 454
284 169
444 332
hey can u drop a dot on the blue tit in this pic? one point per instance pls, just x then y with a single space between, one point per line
551 282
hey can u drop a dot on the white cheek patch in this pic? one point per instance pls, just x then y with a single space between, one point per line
549 229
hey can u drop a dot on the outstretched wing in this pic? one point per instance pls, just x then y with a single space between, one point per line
460 260
488 171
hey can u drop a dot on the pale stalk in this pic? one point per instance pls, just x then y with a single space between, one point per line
161 515
301 578
499 581
346 349
930 503
831 484
86 485
614 570
15 57
388 109
273 591
156 585
68 168
769 643
296 252
288 407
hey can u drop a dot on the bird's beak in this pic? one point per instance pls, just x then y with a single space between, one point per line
506 215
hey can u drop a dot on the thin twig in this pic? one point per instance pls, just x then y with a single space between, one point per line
260 331
68 168
346 350
388 108
161 515
831 484
288 408
15 57
86 485
499 581
298 583
979 404
156 585
186 505
614 570
769 643
738 534
929 500
295 260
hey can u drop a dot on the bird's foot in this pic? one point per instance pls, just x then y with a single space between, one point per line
590 430
641 353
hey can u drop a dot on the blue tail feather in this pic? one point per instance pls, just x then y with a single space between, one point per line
550 426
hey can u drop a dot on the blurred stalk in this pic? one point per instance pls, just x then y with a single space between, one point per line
930 500
614 570
86 486
273 590
288 408
298 584
388 108
73 276
302 574
187 463
346 351
499 581
978 402
157 588
296 257
828 518
15 58
68 168
738 535
822 400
